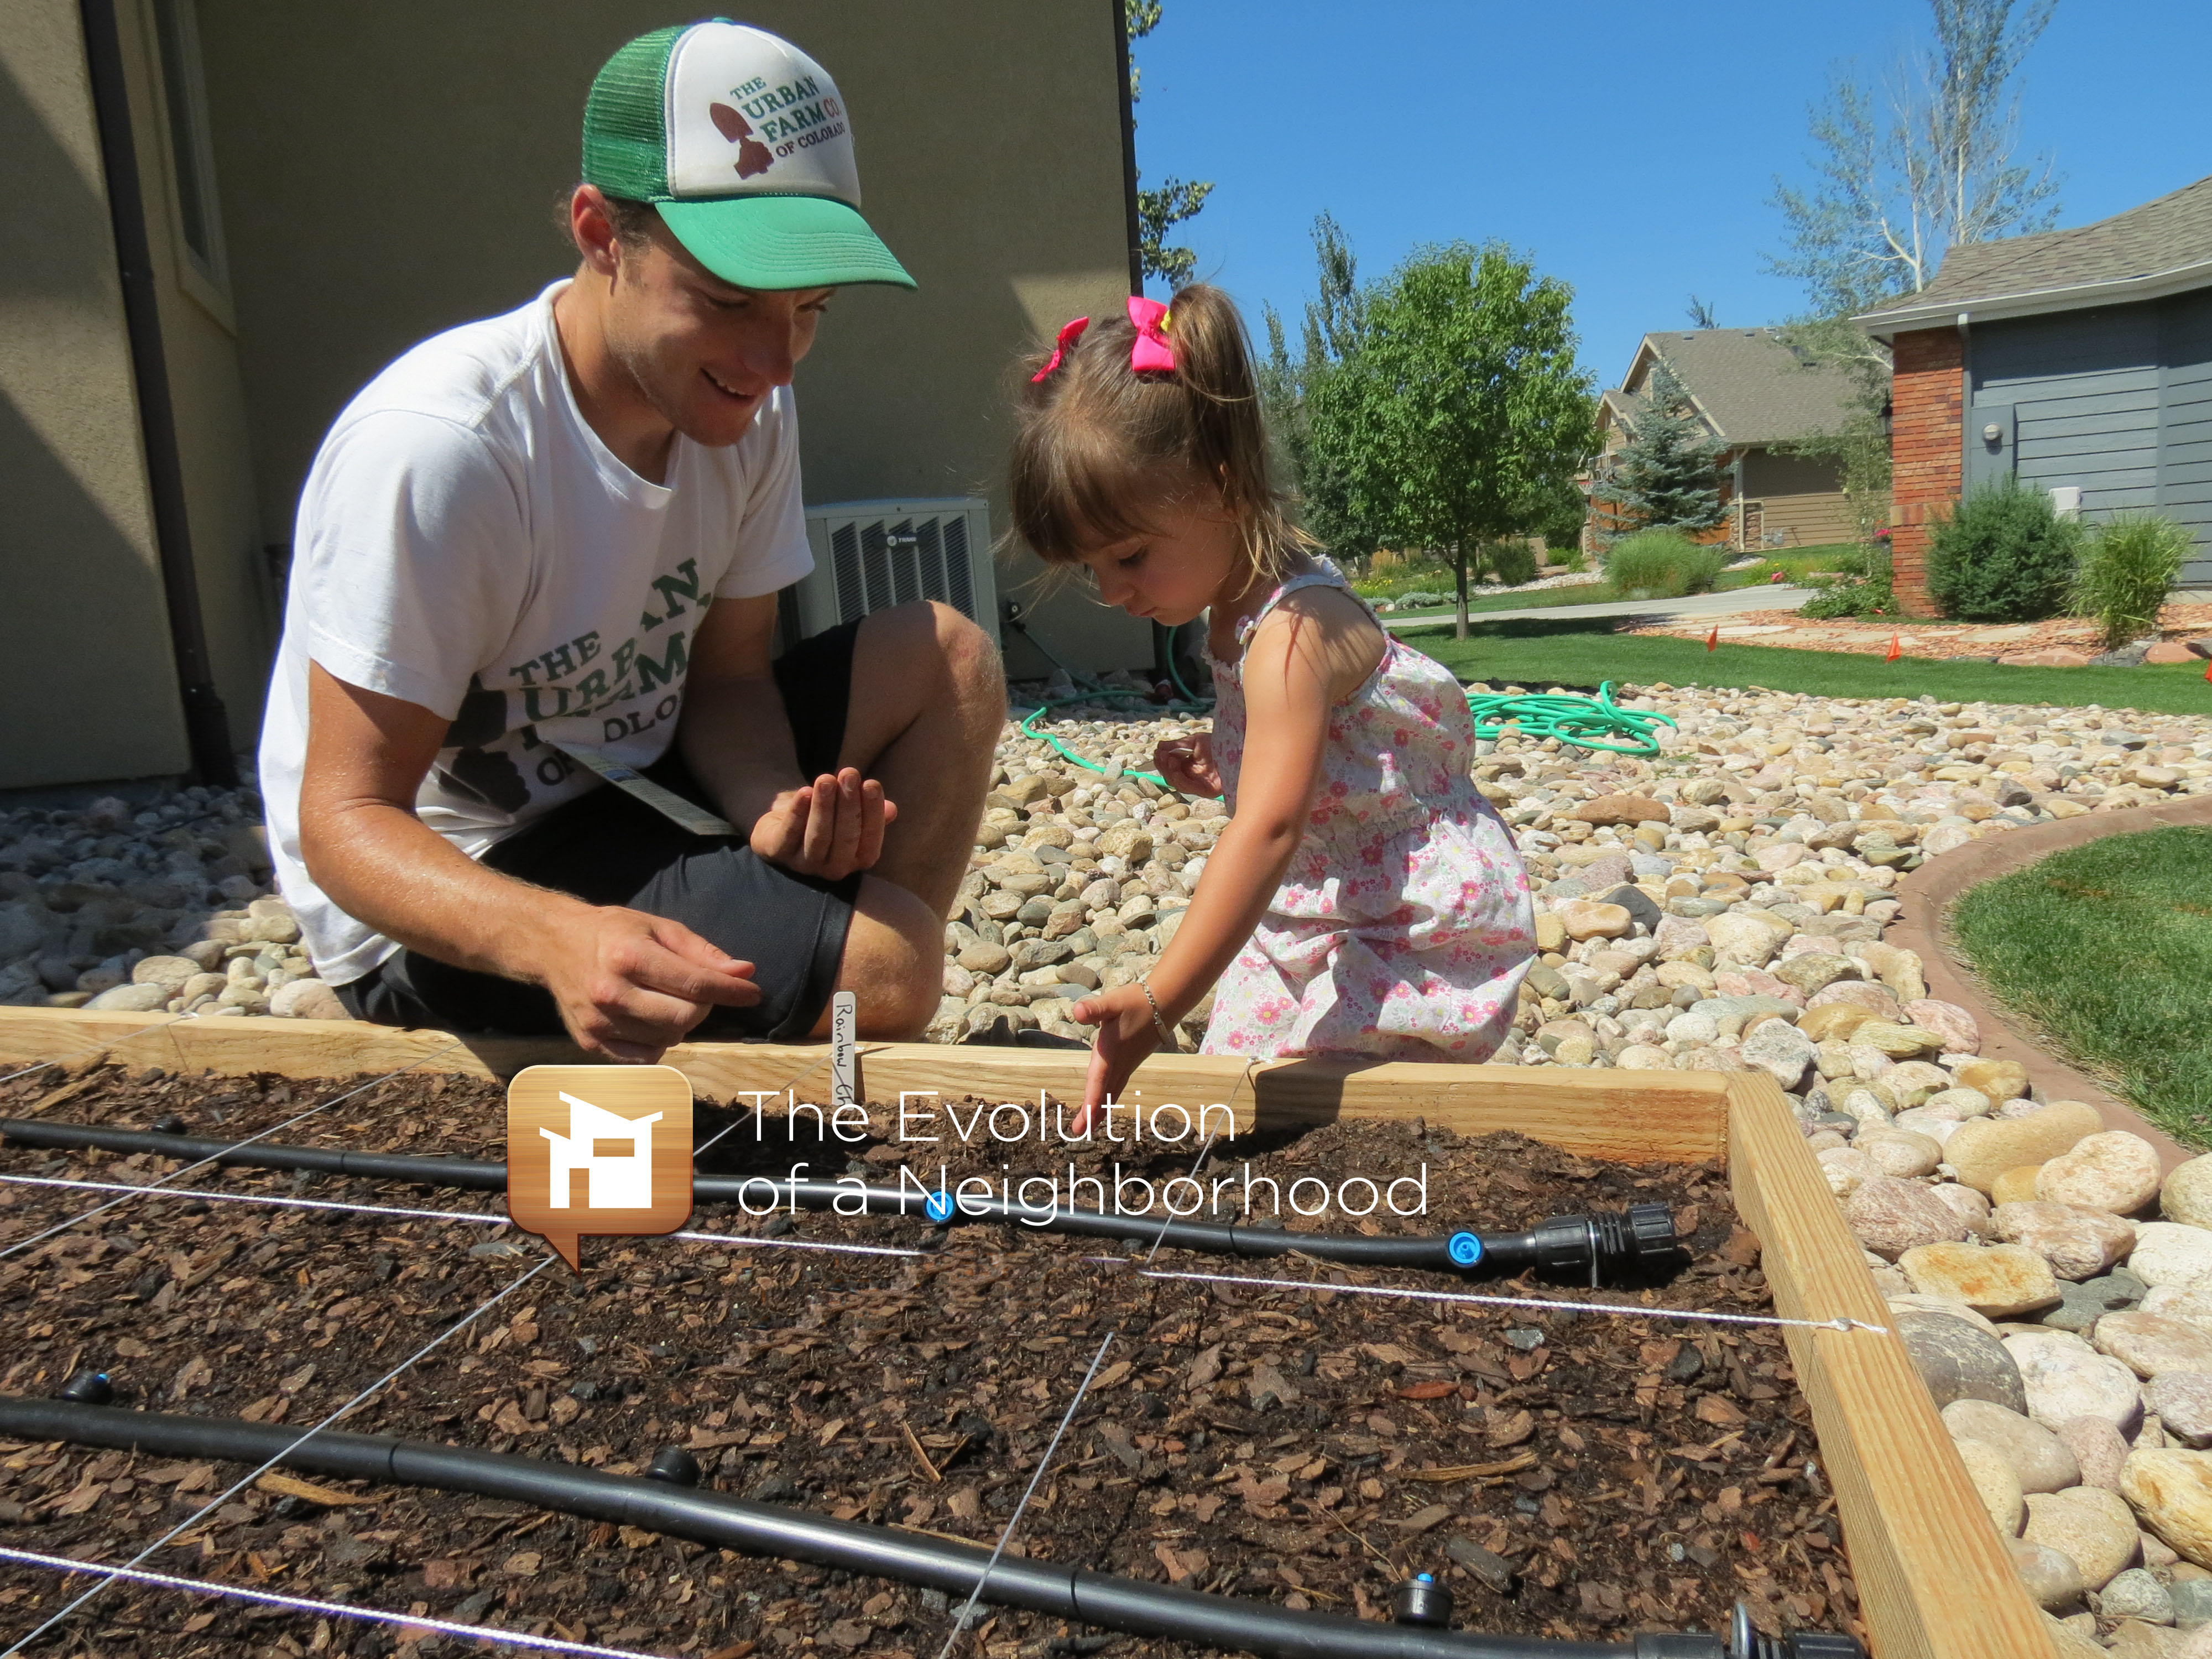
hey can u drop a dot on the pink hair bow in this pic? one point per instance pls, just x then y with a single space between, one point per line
1070 332
1151 350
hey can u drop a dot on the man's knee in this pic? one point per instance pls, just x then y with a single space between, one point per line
893 960
929 633
970 653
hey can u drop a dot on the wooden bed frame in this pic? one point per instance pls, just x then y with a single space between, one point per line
1933 1578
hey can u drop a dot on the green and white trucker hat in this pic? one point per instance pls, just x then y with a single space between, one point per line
742 142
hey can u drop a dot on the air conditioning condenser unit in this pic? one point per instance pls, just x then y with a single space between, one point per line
870 556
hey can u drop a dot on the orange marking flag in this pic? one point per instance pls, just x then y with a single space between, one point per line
1713 638
1894 652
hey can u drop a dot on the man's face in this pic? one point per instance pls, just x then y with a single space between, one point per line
705 355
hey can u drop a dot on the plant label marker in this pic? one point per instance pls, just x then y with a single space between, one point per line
844 1022
603 1149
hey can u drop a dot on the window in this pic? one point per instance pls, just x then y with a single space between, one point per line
191 148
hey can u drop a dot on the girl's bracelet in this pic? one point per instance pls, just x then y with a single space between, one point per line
1158 1024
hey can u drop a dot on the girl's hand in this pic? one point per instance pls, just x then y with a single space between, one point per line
1126 1035
1188 765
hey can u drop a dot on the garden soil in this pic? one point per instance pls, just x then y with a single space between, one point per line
1561 1474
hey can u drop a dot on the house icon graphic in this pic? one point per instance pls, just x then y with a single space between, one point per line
615 1153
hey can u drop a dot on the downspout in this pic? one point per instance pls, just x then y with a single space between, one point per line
1128 148
1163 637
206 727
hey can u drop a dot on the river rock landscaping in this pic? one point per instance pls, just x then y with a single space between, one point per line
1564 1474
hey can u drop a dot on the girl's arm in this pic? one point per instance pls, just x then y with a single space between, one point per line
1308 654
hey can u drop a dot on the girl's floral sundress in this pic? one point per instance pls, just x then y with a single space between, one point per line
1403 925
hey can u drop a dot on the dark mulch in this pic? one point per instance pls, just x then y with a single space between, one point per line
1564 1474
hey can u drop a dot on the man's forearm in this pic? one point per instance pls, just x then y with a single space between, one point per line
381 864
736 738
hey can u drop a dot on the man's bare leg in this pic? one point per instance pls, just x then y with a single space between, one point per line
928 698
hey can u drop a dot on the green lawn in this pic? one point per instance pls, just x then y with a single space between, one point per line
1574 651
2108 949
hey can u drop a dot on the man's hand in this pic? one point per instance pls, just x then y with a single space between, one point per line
829 829
630 985
1188 765
1126 1035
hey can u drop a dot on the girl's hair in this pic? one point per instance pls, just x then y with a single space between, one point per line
1101 447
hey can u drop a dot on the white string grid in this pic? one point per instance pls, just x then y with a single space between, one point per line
1624 1309
1006 1533
960 1623
405 1621
252 1475
110 1574
213 1158
482 1217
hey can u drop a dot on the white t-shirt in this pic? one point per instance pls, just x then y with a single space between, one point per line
466 542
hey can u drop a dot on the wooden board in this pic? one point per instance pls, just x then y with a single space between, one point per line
1933 1578
1680 1117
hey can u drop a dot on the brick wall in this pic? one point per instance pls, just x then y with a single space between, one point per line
1926 452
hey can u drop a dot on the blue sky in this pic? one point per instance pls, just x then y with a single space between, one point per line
1631 147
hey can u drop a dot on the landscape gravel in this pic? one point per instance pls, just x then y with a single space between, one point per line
1718 908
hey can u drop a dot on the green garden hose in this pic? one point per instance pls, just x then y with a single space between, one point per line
1582 721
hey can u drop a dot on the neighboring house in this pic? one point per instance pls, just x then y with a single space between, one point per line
1756 399
316 189
2078 360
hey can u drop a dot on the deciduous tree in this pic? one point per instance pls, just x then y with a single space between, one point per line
1462 412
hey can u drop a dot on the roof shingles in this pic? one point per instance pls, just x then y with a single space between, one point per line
1751 387
2167 234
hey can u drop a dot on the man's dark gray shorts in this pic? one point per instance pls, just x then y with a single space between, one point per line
608 847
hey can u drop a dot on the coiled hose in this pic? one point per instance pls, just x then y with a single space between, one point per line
1585 722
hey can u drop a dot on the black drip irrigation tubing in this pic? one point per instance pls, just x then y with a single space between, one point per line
1631 1247
672 1506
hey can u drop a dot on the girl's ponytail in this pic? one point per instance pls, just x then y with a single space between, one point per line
1101 443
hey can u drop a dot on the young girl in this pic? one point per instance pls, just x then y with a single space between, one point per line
1365 902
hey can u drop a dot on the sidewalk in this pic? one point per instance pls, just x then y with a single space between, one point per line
1649 610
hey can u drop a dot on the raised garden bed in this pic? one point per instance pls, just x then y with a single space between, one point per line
1601 1457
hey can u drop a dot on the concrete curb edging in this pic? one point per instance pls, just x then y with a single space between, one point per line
1922 927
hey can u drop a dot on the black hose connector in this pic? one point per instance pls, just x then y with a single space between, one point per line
1422 1601
673 1466
88 1389
1603 1247
1589 1248
1134 1606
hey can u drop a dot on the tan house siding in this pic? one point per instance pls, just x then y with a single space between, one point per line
1794 497
239 603
392 170
84 623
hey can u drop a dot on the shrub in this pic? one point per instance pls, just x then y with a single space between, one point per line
2002 555
1868 597
1417 600
1512 562
1571 560
2129 565
1662 564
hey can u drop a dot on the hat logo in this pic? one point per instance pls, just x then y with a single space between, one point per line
753 156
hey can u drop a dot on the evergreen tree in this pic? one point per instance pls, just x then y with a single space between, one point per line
1667 476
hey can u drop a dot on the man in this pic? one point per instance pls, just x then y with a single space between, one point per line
546 548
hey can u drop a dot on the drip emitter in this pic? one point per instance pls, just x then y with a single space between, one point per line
1619 1246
